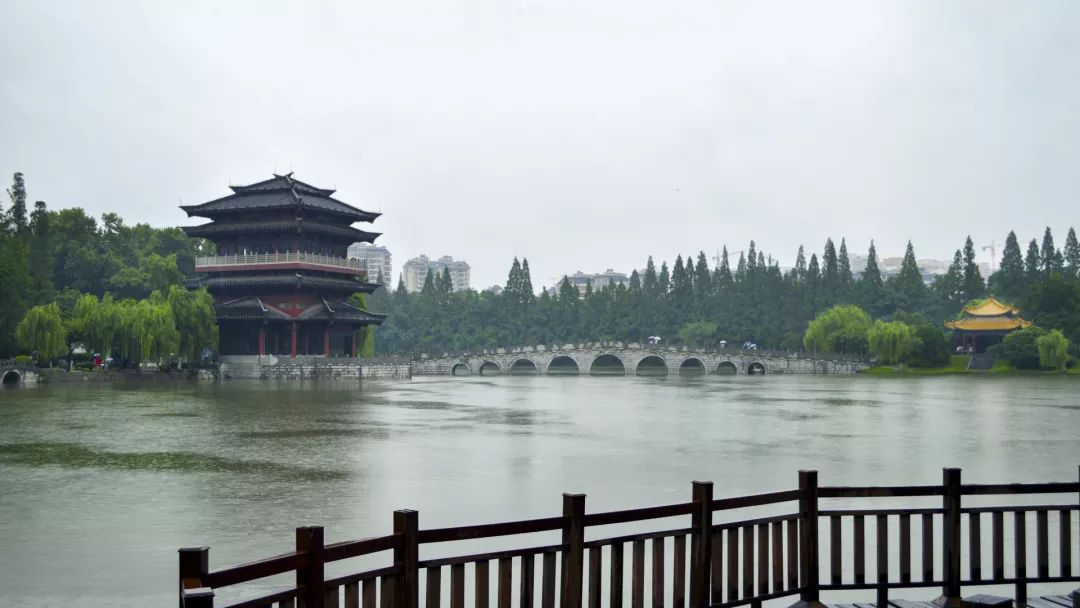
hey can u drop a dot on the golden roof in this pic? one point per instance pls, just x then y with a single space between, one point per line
990 307
1000 323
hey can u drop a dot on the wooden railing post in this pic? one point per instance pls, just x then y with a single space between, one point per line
194 568
701 544
950 543
310 579
573 540
808 539
407 558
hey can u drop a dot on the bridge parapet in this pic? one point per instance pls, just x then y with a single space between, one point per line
617 358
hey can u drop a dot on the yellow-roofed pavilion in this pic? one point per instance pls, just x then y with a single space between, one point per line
985 324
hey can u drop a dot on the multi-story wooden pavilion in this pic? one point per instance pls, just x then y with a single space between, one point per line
281 279
985 324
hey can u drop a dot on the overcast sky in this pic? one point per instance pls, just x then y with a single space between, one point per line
581 135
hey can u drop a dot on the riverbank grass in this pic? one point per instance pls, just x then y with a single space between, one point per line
958 365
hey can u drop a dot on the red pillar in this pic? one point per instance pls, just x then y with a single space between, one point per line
294 339
326 341
974 344
354 344
262 340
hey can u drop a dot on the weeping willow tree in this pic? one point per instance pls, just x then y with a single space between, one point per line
841 329
98 324
365 336
1053 350
193 312
154 327
42 330
891 342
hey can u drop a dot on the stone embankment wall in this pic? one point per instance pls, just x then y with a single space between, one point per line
312 368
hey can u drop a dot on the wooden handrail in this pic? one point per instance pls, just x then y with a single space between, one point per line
791 540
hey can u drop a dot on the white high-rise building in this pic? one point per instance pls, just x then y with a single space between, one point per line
415 271
377 260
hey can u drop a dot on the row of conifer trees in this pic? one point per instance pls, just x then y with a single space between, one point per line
750 299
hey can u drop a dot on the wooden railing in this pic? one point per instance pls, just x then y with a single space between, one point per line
724 564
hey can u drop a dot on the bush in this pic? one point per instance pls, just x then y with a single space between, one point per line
1021 348
931 348
23 359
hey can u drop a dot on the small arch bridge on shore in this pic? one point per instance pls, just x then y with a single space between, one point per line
14 373
619 359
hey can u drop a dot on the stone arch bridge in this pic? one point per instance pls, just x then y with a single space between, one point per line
13 374
618 359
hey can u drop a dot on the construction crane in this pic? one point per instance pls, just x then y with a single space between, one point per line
993 249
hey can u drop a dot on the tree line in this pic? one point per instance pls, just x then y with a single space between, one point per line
748 300
67 278
60 256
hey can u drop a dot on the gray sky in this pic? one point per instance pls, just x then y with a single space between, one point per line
582 135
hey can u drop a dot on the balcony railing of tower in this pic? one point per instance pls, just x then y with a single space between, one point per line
288 257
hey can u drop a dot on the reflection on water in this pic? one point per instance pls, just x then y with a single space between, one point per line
102 484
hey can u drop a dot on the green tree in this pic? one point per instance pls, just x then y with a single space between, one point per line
42 331
698 334
813 271
1049 256
724 277
1020 348
1055 303
931 347
830 278
14 285
844 266
799 271
1009 279
950 286
1053 350
907 287
1072 254
40 255
193 312
891 342
972 285
1032 262
840 329
17 212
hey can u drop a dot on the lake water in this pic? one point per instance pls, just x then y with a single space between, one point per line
100 485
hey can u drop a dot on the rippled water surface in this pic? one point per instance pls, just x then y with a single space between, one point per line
99 485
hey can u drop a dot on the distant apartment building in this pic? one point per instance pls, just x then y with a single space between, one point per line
415 271
376 259
599 280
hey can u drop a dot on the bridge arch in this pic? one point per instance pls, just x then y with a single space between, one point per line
523 367
757 367
460 369
651 365
691 366
490 368
12 377
727 368
563 365
607 365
